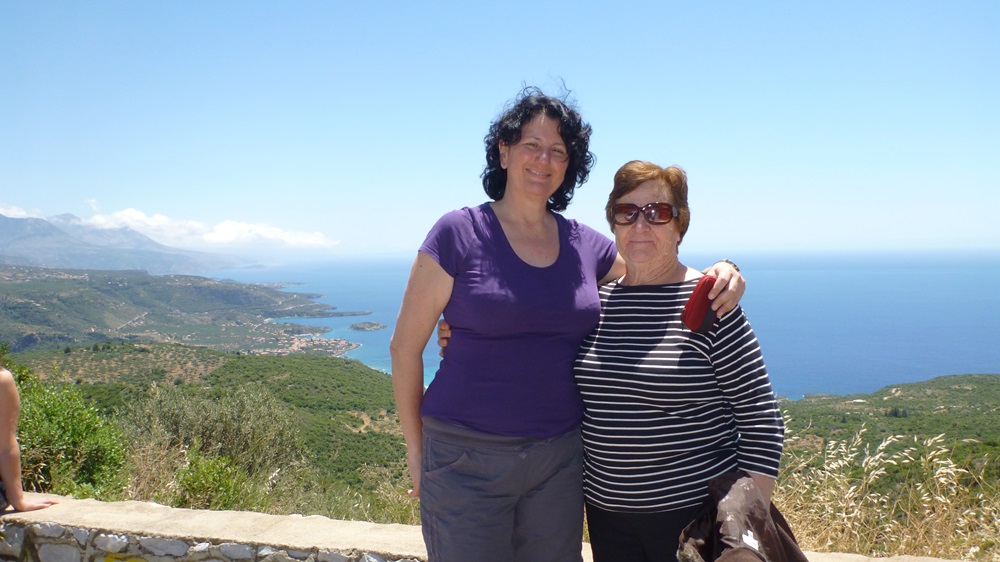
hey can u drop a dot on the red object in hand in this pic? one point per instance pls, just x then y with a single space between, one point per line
698 314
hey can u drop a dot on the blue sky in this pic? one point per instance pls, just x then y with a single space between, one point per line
347 128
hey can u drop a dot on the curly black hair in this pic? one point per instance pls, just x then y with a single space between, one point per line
530 103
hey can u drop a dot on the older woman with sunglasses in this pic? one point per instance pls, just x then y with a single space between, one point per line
493 446
666 409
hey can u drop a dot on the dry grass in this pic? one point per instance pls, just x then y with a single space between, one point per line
384 501
151 469
906 496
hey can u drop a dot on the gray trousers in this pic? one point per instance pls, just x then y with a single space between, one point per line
493 498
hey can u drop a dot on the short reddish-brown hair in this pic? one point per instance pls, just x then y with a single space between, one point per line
635 173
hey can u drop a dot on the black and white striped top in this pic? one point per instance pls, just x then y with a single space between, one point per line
668 409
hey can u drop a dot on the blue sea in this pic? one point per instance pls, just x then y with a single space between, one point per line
827 323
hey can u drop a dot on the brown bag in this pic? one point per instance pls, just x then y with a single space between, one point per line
737 526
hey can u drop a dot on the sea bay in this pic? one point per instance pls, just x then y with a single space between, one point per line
827 323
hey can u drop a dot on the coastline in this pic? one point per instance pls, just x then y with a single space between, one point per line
309 344
828 323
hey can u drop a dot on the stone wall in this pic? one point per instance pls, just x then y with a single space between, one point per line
92 531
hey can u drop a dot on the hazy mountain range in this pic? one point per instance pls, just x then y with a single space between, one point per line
64 241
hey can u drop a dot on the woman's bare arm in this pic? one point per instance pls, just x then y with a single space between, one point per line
10 451
427 293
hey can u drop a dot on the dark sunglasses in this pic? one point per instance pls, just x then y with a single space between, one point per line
655 213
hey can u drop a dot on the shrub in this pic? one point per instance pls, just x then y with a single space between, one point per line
67 447
231 453
213 482
247 424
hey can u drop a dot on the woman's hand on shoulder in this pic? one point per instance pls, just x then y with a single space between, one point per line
444 333
729 287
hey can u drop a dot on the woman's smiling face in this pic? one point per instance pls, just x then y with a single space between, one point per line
537 163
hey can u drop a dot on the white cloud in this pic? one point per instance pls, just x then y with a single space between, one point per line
17 212
194 234
233 232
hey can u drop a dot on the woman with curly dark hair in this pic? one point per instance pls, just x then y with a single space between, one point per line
493 446
507 130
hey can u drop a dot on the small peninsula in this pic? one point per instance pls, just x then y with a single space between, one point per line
368 326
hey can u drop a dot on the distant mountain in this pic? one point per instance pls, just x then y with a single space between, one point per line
66 241
123 237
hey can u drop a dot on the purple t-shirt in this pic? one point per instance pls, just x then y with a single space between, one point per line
515 328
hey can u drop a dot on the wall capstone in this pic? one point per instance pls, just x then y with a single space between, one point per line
91 531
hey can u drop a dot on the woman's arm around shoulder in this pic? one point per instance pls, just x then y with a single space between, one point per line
617 270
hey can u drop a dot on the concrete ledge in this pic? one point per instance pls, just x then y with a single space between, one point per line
112 528
352 540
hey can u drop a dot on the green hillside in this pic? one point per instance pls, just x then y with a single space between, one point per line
964 408
52 308
345 409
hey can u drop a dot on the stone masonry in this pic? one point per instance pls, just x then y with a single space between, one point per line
92 531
